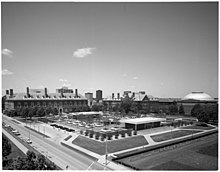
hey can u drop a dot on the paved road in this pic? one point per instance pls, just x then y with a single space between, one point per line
60 155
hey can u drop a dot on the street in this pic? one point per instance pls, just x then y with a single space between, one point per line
60 155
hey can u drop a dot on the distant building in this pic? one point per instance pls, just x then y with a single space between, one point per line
64 102
197 97
98 95
64 90
89 97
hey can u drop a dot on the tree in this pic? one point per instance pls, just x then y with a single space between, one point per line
197 109
55 111
30 112
25 112
181 110
203 116
40 112
173 109
126 104
6 146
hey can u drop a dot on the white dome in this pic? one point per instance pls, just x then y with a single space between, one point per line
198 96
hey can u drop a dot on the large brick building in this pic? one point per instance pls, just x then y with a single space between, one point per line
64 101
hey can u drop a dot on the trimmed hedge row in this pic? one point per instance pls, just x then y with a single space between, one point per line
108 135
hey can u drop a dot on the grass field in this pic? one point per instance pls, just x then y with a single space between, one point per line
200 155
172 165
172 135
112 146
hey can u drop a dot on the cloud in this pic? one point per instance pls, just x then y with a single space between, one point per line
7 52
135 77
6 72
83 52
63 80
66 85
124 75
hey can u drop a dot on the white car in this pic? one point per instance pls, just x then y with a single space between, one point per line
81 125
98 125
14 131
29 141
69 122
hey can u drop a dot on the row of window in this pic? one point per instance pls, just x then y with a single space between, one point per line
44 104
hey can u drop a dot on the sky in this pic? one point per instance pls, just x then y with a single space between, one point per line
165 49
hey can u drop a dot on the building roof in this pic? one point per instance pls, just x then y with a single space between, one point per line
198 96
51 96
144 120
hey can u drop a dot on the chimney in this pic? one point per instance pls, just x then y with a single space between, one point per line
45 92
11 92
118 96
61 91
113 96
76 93
133 94
28 93
7 92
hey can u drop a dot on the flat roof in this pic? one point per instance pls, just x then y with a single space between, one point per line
144 120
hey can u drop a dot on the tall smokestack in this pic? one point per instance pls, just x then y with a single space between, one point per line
45 92
118 96
7 92
133 94
11 92
76 93
113 96
28 93
61 91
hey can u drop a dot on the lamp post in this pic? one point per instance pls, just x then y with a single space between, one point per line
106 152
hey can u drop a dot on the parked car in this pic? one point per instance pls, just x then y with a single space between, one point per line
7 125
17 133
14 131
29 141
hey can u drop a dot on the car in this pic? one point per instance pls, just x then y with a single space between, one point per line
7 125
29 141
17 133
14 131
69 122
81 125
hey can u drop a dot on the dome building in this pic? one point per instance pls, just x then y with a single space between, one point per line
194 98
198 95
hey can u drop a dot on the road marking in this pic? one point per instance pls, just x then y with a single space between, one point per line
90 165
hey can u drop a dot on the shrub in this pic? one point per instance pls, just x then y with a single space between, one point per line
135 132
86 133
81 131
91 135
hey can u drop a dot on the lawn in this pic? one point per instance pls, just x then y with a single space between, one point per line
112 146
211 150
172 135
198 127
172 165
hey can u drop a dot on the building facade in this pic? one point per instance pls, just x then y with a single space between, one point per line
64 102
